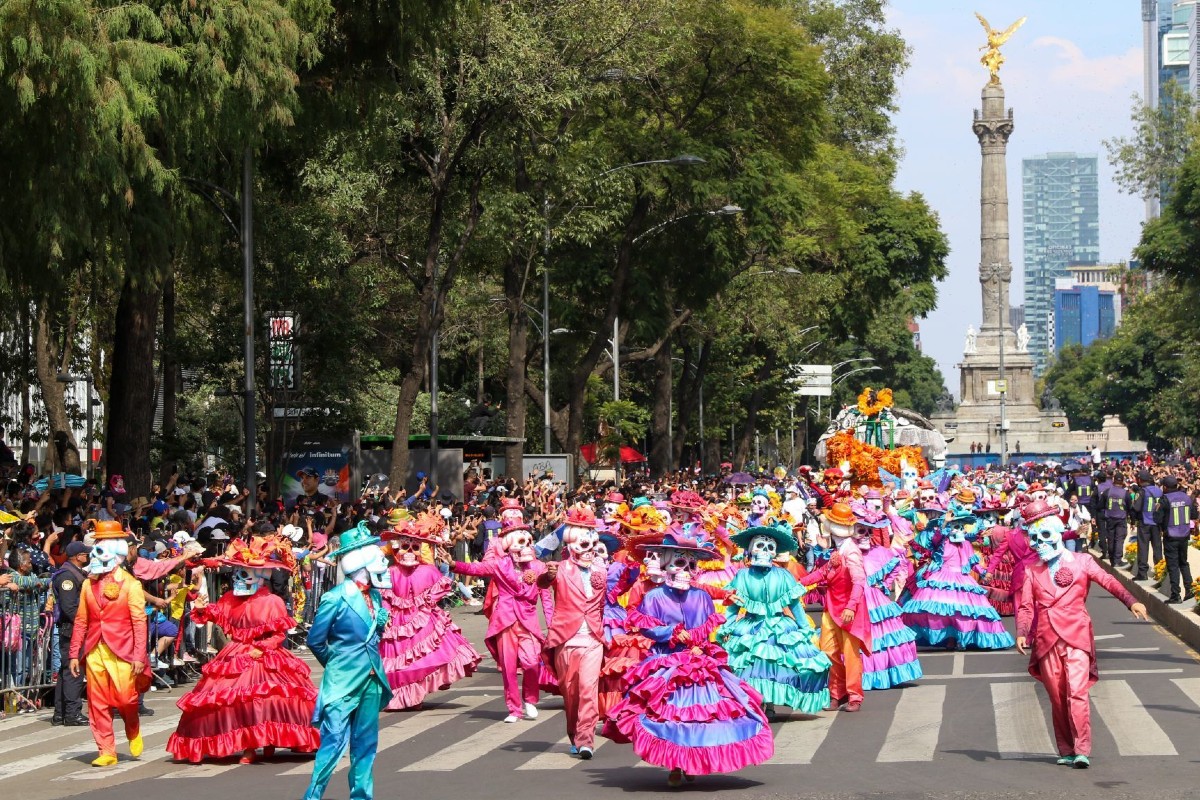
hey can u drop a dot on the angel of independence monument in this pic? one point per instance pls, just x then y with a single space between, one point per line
998 405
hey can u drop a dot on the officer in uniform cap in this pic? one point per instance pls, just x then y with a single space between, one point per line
1146 503
66 583
1177 512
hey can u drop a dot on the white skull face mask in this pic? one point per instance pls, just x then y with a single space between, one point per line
1046 537
928 496
407 552
601 557
581 545
680 568
519 545
247 581
107 556
653 563
367 565
875 504
610 510
762 551
760 504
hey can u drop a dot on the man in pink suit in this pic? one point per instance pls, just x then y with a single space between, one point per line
514 635
1053 626
575 642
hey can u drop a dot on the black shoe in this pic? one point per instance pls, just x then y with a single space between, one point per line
56 721
145 711
77 722
1141 577
1173 599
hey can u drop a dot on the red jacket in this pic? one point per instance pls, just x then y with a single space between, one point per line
572 606
119 622
845 582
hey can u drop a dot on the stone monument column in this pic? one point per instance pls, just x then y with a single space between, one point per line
993 125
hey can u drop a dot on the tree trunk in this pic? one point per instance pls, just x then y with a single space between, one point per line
61 437
130 412
23 383
170 382
514 374
688 399
746 440
660 451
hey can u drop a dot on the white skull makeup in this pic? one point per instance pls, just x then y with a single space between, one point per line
107 555
601 557
680 567
928 495
875 504
247 581
367 565
519 545
408 551
581 544
610 510
762 550
1046 537
653 562
760 504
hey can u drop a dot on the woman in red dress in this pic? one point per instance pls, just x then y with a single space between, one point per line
253 693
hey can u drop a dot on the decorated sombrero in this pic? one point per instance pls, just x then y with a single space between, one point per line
108 530
261 552
354 539
779 531
673 541
687 501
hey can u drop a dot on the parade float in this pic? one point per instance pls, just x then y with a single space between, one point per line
878 441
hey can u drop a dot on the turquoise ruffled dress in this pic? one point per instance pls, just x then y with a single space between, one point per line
770 640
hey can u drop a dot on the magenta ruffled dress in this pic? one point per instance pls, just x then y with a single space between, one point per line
893 659
422 649
684 708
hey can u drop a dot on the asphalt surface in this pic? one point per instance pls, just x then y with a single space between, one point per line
977 726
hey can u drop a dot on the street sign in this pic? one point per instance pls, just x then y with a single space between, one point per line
283 362
812 380
1058 424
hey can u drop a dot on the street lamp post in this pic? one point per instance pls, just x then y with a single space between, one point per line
86 378
1003 386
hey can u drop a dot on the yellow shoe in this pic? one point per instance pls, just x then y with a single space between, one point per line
136 746
104 760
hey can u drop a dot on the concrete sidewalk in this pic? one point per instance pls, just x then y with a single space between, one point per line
1180 619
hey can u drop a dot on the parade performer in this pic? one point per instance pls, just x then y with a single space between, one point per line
1053 626
684 709
514 637
423 651
254 693
949 605
574 645
846 620
893 659
622 649
109 637
1011 556
344 638
770 640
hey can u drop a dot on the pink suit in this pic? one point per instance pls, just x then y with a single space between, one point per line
575 645
514 635
1062 644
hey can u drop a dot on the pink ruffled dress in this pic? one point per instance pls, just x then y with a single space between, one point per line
242 701
422 649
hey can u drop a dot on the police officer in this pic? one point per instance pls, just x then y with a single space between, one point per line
1176 515
1116 519
1146 504
1099 519
66 584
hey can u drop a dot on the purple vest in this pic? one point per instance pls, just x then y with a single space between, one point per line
1152 499
1179 514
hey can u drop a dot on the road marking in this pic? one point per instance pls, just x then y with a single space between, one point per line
1136 732
1020 723
207 770
152 756
415 723
559 756
50 759
1190 687
38 737
916 723
476 745
1109 636
998 675
11 723
1127 650
797 740
959 668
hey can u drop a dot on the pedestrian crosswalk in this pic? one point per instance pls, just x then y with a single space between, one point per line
465 730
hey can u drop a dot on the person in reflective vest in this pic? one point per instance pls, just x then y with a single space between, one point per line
1116 520
1146 503
1176 515
1100 528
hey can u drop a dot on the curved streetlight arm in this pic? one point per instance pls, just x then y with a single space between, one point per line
208 191
854 372
851 361
723 211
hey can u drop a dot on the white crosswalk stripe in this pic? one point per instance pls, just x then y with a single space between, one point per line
1133 727
916 723
476 745
419 722
149 757
75 752
797 740
559 756
1021 729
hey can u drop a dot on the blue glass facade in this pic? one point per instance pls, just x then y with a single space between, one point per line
1083 314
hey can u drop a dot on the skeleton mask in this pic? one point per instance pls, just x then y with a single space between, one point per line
247 581
107 555
610 510
1046 537
1040 494
760 504
653 562
680 567
862 535
581 545
367 565
601 557
956 534
875 504
762 551
407 552
519 545
511 515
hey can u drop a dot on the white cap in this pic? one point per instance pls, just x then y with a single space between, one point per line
446 513
293 532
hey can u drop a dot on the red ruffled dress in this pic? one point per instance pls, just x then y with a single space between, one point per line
422 649
244 702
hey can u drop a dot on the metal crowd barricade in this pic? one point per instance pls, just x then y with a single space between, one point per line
26 640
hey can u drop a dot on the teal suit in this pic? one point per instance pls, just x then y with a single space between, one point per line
344 638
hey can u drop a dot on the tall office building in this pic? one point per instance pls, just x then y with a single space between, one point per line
1061 213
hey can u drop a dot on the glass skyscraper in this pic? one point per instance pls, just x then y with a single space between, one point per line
1060 201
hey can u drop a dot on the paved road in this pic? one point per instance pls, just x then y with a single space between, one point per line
976 727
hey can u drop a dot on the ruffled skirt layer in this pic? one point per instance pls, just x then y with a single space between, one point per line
949 606
894 657
779 660
423 651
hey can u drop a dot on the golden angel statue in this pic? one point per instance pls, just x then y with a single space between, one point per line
992 58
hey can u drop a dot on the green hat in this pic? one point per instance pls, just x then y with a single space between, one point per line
781 532
357 537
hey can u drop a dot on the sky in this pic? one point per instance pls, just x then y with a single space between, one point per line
1070 75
